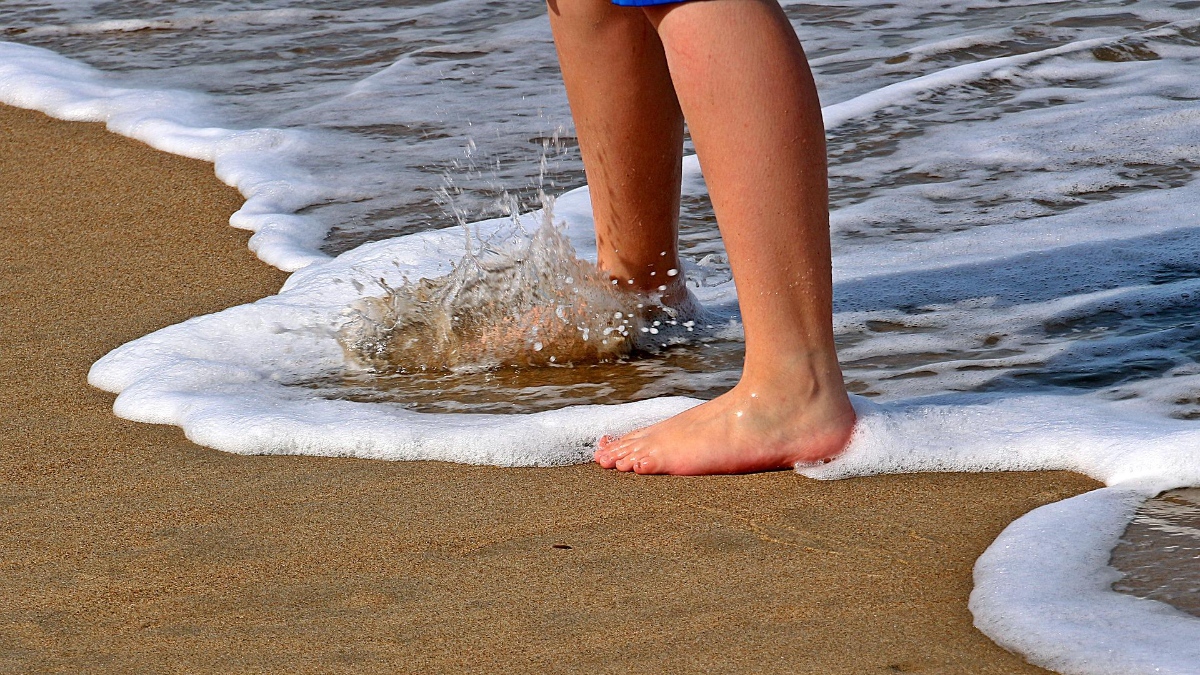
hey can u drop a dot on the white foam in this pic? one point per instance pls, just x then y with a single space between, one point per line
223 377
1044 589
255 161
252 17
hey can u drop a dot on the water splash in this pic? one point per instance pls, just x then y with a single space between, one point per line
525 301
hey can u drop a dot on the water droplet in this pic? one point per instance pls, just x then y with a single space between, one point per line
537 346
672 272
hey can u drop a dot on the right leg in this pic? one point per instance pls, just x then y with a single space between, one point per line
630 131
743 80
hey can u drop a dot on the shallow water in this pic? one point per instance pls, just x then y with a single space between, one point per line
1160 551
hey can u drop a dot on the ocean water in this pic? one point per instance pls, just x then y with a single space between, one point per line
1015 225
1164 533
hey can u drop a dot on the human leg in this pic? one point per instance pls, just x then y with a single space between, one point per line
744 85
630 132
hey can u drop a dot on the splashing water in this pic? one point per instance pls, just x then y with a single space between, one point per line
528 300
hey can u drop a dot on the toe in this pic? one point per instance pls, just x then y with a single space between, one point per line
608 456
604 458
600 456
645 463
627 459
620 451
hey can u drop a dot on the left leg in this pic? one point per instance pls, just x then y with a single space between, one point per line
630 133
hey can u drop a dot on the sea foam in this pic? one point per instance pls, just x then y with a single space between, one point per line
255 161
1078 230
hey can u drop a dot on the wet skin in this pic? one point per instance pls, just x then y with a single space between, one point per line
737 72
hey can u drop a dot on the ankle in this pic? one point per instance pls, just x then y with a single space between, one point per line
811 377
664 289
644 276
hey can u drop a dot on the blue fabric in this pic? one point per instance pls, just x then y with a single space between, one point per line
644 3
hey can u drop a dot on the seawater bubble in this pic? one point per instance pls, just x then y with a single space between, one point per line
487 311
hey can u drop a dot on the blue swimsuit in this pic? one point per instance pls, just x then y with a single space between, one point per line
643 3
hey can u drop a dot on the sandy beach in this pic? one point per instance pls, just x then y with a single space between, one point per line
126 548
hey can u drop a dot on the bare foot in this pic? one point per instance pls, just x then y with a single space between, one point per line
749 428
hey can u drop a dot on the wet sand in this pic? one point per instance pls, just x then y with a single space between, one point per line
126 548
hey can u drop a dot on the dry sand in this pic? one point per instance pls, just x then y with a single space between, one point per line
126 548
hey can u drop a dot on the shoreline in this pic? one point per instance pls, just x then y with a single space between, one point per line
132 549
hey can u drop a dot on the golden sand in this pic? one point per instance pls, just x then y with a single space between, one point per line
126 548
